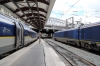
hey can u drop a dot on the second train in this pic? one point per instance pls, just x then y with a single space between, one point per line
87 36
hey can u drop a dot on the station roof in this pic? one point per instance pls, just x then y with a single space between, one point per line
33 12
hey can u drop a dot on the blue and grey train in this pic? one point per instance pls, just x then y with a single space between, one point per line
14 35
87 36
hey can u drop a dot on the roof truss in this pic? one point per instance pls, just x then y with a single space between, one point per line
35 12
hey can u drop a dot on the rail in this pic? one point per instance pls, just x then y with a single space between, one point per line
73 59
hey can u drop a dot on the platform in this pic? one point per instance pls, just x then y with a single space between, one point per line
37 54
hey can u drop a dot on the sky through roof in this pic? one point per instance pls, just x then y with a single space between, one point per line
87 10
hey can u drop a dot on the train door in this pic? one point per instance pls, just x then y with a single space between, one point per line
21 34
18 39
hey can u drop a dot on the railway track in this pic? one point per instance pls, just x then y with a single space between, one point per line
71 58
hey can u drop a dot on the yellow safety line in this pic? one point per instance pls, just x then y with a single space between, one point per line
7 36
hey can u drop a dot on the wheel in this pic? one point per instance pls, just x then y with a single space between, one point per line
80 44
87 46
74 43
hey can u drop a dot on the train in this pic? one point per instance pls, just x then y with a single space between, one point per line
14 34
86 36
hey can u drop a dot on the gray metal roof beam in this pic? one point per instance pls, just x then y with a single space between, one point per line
7 1
16 14
19 8
30 9
38 15
35 18
35 14
35 21
27 8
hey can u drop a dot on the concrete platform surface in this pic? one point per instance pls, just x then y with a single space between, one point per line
37 54
51 58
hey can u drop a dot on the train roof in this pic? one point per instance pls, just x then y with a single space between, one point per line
66 30
7 20
28 28
90 25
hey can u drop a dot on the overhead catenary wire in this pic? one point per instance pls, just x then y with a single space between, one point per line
94 14
70 7
91 15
